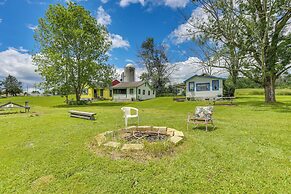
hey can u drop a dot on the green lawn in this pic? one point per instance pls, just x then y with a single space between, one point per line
47 152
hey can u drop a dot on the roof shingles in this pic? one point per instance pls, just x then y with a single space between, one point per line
123 85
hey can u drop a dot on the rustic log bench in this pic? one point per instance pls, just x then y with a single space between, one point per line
82 115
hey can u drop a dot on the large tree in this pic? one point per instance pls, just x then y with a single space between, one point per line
73 49
10 85
259 35
158 68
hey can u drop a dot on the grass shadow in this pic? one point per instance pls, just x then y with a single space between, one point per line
12 112
94 104
277 106
203 128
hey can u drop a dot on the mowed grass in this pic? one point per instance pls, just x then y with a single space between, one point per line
46 151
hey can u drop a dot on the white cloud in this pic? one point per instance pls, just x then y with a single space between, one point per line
185 31
185 69
124 3
20 49
190 67
31 26
118 41
103 17
104 1
176 3
38 2
170 3
18 63
129 61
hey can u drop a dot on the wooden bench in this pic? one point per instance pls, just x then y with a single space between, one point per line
82 115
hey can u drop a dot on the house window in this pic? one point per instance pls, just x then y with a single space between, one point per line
191 86
215 85
120 91
203 87
138 91
85 91
110 93
131 91
149 92
143 92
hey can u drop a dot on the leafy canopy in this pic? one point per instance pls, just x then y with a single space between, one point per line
73 49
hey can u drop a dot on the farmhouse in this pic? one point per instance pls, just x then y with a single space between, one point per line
204 86
129 89
99 92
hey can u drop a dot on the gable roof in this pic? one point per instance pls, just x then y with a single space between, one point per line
123 85
11 105
205 76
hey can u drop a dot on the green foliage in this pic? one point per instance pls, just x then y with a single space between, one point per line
249 152
73 50
244 82
10 85
81 102
228 87
255 29
157 65
284 81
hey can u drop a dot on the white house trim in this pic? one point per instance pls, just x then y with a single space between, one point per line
131 91
204 86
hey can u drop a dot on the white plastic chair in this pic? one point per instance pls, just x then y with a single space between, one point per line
127 114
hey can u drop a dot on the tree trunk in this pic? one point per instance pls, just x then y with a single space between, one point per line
234 83
231 92
78 96
67 99
269 87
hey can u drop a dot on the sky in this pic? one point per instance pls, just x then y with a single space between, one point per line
129 23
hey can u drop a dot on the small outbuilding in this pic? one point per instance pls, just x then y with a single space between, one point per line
131 91
204 87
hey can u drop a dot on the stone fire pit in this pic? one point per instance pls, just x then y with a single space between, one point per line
134 137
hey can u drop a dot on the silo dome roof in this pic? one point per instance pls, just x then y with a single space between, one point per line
129 65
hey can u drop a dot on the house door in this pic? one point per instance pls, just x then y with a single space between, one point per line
101 92
95 93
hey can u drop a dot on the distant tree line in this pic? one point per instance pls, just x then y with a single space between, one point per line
10 86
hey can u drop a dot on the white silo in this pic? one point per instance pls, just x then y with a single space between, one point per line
129 73
122 77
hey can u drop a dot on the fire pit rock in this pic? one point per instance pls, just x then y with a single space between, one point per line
133 138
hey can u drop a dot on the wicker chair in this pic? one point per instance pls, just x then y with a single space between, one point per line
203 115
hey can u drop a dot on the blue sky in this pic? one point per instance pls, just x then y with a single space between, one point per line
129 22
